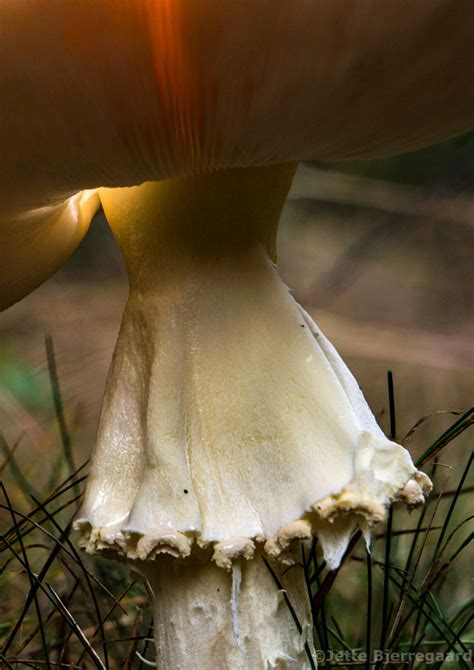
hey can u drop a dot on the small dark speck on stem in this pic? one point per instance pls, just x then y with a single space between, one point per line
186 490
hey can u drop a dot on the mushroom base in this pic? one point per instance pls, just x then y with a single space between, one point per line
231 423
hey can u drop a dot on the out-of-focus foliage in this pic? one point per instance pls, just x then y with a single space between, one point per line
448 165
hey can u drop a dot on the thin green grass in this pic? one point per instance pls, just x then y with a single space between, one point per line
403 587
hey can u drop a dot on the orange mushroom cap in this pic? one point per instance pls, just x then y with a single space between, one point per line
107 93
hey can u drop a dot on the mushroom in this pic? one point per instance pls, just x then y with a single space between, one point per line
231 430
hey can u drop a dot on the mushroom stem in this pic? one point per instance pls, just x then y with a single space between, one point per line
230 426
206 617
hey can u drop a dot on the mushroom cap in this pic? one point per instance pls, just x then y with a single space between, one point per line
111 93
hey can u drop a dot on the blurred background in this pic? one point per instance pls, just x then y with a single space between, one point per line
379 252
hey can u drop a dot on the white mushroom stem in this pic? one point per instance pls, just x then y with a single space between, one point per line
230 424
206 617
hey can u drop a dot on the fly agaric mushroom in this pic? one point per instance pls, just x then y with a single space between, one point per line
231 429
